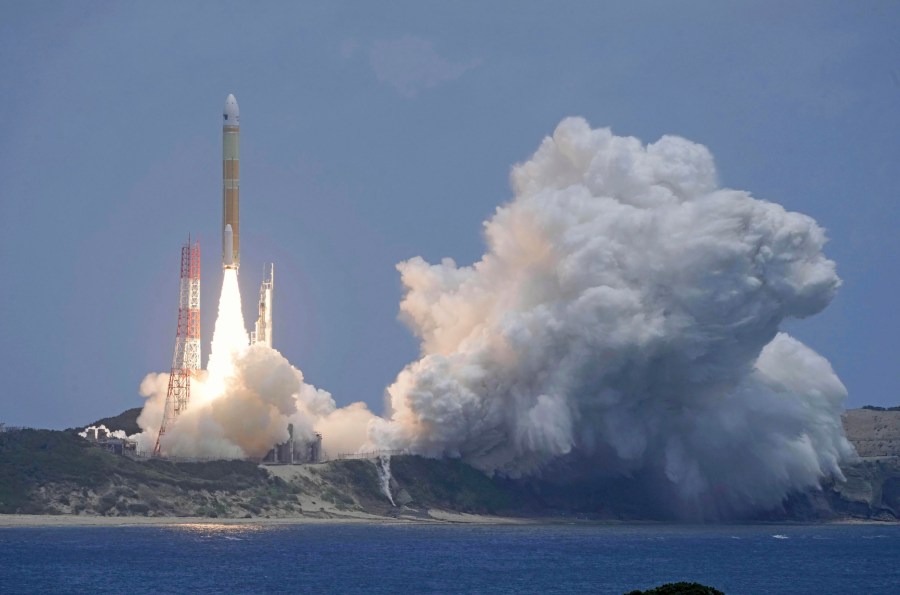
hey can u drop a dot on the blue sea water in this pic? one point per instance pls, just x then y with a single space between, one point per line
448 558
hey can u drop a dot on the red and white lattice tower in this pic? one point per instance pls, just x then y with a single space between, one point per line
186 361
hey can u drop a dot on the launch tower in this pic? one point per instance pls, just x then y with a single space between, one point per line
263 332
186 360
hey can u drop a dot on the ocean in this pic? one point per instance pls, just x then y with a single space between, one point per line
417 558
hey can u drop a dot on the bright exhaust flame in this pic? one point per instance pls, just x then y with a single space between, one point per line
242 404
229 339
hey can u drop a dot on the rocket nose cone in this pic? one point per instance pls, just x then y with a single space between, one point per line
232 114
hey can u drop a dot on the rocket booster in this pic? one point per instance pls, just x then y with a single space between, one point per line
231 184
228 248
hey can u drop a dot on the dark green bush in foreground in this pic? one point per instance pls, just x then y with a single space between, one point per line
678 589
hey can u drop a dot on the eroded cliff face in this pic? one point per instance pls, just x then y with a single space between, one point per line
873 433
871 486
871 490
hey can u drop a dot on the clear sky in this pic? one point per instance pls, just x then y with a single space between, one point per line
374 132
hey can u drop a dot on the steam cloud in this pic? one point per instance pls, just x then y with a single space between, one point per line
626 313
101 432
242 404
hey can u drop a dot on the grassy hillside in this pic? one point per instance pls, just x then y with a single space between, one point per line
39 469
127 420
52 472
450 484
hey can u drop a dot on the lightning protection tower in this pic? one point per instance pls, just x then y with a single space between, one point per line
263 332
186 361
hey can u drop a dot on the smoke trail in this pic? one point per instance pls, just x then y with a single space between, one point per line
626 314
384 474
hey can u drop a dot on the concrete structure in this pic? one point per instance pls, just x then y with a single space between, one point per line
118 446
103 437
231 182
295 451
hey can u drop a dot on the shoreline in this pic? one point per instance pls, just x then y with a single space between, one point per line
8 521
437 517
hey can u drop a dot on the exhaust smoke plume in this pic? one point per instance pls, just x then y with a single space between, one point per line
624 319
384 476
626 314
242 404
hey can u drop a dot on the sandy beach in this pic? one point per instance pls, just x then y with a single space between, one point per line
436 517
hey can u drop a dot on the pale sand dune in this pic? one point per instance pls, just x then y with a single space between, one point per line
347 518
474 519
47 520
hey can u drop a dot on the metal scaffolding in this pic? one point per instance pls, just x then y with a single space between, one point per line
186 360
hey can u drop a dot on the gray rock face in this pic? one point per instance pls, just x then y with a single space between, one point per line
872 486
872 490
873 433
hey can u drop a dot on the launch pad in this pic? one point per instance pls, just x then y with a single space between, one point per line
186 361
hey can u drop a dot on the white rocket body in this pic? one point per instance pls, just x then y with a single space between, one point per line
228 248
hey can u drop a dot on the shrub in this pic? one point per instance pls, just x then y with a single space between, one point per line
681 588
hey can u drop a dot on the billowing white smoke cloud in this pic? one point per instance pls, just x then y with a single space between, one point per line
627 312
242 405
101 432
261 396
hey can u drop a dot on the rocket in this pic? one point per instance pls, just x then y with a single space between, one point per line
231 184
228 248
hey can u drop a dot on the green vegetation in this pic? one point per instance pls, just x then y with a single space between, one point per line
447 484
450 484
876 408
679 589
30 459
52 472
339 498
44 471
351 481
127 421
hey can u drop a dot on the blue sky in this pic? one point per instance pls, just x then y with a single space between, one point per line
374 132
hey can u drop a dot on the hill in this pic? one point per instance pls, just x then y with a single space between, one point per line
52 472
127 421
